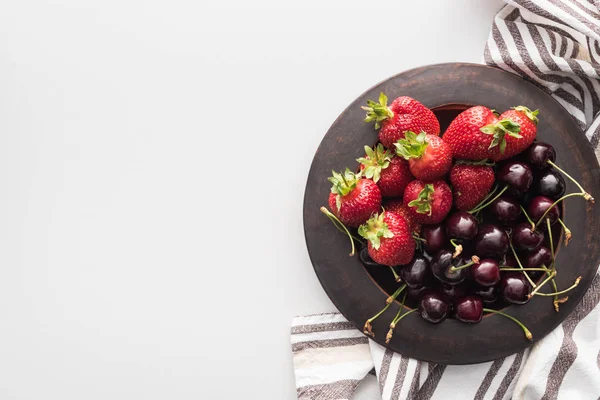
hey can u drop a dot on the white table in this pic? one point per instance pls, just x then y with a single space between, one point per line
154 156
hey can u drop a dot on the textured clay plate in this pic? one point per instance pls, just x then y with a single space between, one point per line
359 296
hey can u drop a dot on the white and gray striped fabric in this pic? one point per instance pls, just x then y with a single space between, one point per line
556 45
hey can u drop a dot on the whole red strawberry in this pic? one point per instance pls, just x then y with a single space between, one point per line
398 207
353 199
404 114
429 157
389 172
477 134
527 120
470 184
429 203
389 239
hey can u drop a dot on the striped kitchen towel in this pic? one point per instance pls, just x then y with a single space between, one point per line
556 45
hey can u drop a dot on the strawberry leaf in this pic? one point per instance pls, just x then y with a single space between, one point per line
343 184
375 229
423 200
377 160
412 146
502 145
532 115
378 112
499 130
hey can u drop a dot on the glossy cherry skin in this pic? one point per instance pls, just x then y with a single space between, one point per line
486 272
417 292
516 175
491 241
441 264
435 238
538 257
524 238
514 287
538 206
488 294
509 261
550 184
416 273
505 210
433 307
454 292
469 309
538 154
461 226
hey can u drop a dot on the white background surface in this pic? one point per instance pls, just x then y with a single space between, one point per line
153 161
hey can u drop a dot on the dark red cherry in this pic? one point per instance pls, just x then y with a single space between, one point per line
509 261
441 264
487 294
469 309
538 154
486 272
461 226
416 273
538 206
435 238
454 292
433 307
550 184
524 238
514 287
535 258
491 241
516 175
506 210
417 292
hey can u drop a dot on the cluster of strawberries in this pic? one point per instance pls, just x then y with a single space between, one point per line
402 180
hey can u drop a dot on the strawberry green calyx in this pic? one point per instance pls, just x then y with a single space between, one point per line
378 112
412 146
499 130
377 159
532 115
374 229
423 201
342 184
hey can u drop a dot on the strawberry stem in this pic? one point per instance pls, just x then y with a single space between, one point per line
528 334
335 220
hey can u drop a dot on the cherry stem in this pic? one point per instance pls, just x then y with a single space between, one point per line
457 248
419 238
585 194
474 260
335 222
520 265
487 197
551 242
573 286
528 334
389 302
507 268
388 337
396 277
568 234
553 282
528 219
555 203
481 207
535 290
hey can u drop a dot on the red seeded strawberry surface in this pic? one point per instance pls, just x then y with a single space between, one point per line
409 115
397 250
470 184
394 178
435 162
358 205
465 137
398 207
439 202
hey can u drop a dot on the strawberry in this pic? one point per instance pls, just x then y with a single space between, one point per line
477 134
470 184
391 173
389 239
429 203
527 120
404 114
353 199
398 207
429 157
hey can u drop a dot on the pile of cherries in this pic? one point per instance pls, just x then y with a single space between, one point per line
499 253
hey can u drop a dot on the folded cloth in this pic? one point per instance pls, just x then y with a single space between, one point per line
556 45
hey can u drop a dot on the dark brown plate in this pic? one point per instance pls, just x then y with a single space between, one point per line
358 296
